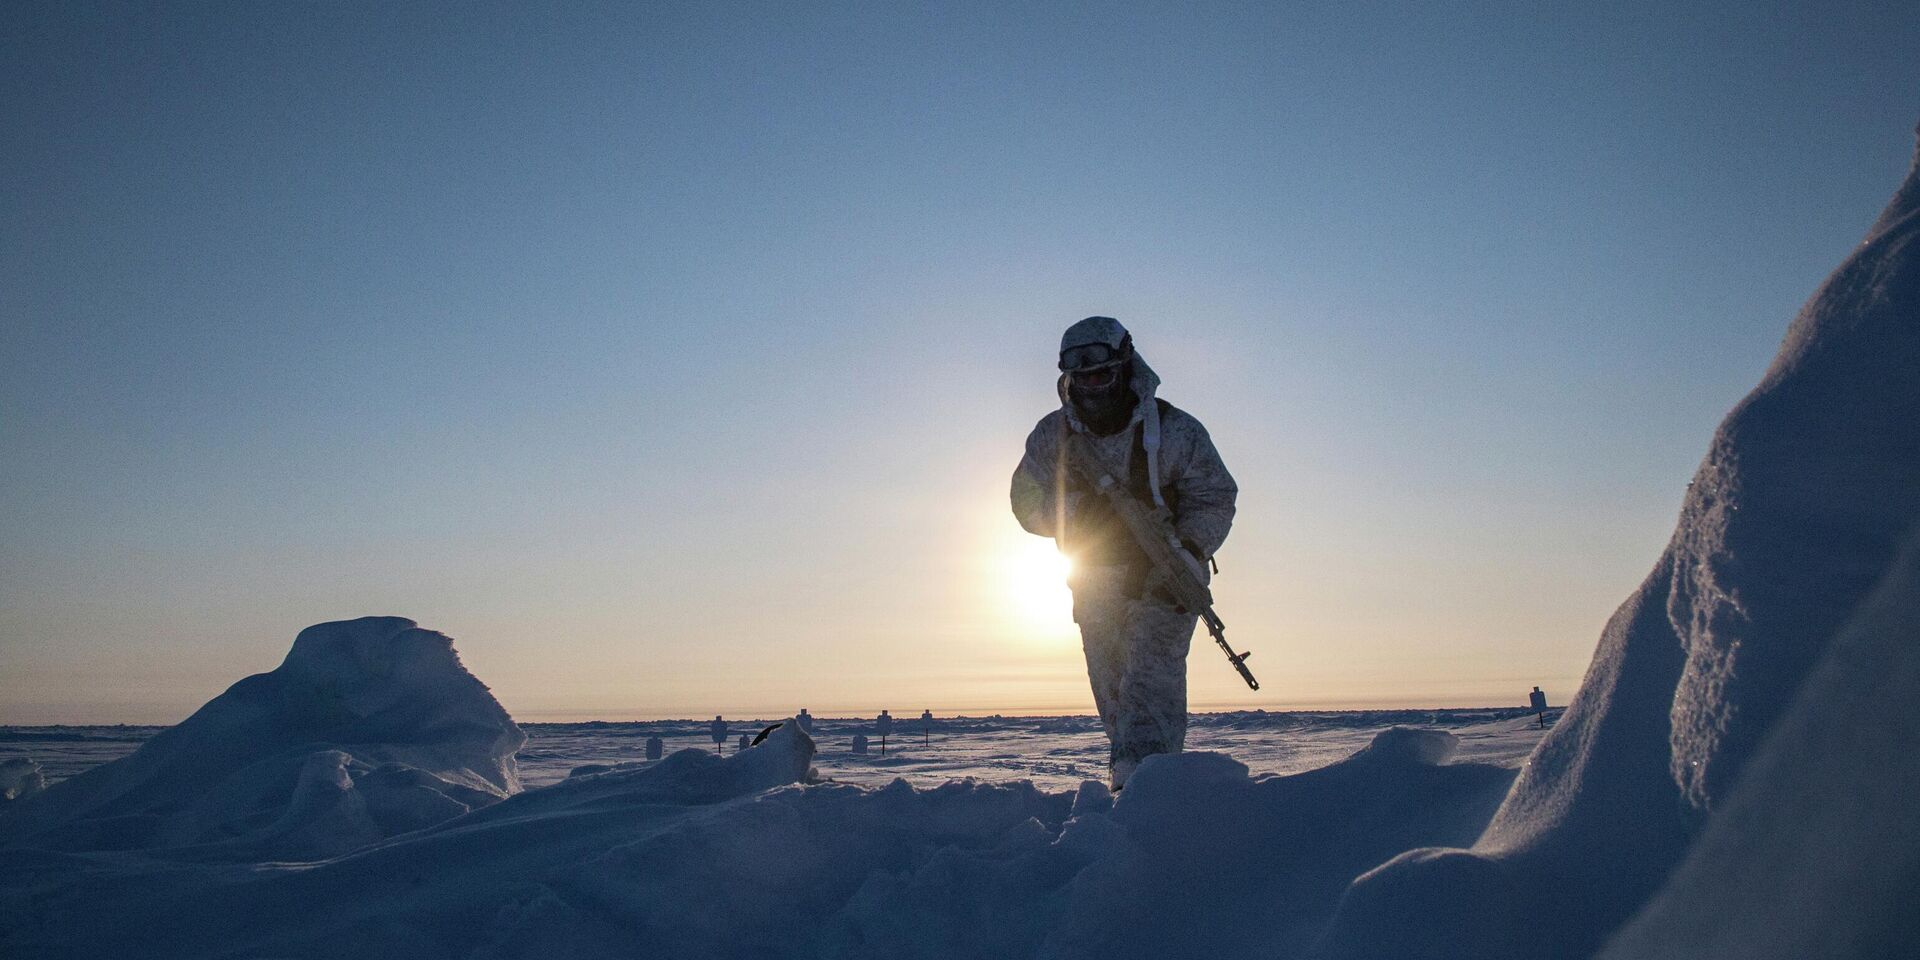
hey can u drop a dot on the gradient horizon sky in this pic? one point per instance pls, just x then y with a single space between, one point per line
673 359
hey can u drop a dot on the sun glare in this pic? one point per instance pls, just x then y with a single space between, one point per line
1036 581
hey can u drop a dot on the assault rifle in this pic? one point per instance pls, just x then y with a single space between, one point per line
1153 530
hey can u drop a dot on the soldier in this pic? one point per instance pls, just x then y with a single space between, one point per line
1134 636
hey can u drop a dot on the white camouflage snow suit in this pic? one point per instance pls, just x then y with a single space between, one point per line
1134 639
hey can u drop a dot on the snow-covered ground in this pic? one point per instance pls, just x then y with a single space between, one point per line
774 851
1056 753
369 798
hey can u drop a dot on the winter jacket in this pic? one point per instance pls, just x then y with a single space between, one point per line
1167 457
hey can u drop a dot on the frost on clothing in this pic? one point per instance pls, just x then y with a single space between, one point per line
1135 641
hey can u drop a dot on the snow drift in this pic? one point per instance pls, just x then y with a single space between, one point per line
1817 852
1807 491
369 728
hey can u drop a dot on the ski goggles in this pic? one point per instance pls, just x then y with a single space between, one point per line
1096 378
1094 356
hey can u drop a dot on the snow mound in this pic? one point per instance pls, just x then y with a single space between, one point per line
370 728
1210 862
1816 852
20 778
1409 745
705 856
1807 491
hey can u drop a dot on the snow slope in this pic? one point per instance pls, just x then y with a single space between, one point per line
1817 852
369 728
1809 487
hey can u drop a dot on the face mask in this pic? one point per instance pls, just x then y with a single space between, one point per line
1102 398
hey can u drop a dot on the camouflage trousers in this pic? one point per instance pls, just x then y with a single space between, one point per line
1137 661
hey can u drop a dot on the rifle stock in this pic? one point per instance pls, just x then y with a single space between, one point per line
1152 528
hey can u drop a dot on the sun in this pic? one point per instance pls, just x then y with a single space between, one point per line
1036 583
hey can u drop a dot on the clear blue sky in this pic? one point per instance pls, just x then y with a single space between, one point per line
673 358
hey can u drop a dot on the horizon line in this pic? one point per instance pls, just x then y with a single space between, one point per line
558 717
